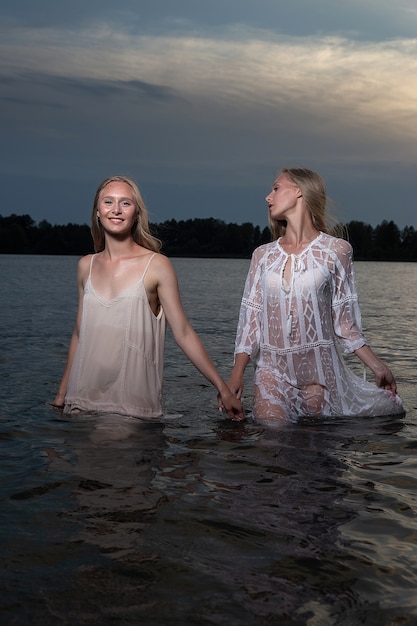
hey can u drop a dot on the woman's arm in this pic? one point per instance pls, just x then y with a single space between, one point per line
237 374
347 319
162 272
82 273
383 375
346 314
249 323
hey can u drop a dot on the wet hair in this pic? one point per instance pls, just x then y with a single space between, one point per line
313 190
140 230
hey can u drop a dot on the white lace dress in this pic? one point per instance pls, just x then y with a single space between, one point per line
294 333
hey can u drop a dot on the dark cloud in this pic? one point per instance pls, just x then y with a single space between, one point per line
362 20
93 87
30 102
104 88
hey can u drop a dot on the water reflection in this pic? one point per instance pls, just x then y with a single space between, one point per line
302 501
293 496
194 520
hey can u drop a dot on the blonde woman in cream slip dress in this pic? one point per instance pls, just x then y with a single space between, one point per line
299 307
128 291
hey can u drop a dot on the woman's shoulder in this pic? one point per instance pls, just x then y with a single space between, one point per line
160 260
336 244
83 268
264 249
85 261
84 264
160 267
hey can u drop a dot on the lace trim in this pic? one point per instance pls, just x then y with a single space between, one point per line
349 298
252 305
299 348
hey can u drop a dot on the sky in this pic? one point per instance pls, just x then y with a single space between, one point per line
202 103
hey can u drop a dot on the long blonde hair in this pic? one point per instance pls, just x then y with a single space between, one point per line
313 189
140 230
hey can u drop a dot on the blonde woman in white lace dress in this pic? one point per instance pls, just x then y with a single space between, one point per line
299 308
128 291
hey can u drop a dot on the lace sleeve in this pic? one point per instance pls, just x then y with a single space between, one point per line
249 325
345 306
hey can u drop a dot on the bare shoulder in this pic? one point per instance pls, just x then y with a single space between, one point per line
85 261
84 267
160 262
161 269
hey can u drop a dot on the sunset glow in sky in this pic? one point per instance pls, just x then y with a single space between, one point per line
201 103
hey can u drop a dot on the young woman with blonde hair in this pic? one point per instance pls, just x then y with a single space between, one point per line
299 306
128 292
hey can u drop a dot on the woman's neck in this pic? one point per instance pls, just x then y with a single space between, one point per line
296 239
120 248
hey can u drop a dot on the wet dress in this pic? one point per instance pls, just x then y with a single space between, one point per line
118 364
295 333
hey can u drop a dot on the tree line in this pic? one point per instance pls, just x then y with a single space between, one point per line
200 237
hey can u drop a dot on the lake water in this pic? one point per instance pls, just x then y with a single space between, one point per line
198 520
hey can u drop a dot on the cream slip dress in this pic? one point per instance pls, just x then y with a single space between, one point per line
293 334
118 364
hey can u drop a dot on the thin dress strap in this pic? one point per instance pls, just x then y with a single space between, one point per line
91 265
147 265
143 275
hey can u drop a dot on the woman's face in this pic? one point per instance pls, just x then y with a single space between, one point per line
283 197
117 208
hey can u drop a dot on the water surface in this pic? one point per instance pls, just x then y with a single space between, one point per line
198 520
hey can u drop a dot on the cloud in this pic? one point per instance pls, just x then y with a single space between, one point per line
192 109
96 88
338 83
371 20
260 68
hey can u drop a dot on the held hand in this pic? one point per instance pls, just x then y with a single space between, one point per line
232 405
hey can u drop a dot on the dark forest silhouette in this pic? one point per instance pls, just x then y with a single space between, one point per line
200 237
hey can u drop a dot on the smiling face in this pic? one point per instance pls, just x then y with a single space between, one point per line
283 198
117 208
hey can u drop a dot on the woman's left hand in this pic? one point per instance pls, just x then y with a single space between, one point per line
384 378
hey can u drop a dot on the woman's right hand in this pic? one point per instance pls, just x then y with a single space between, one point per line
59 401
